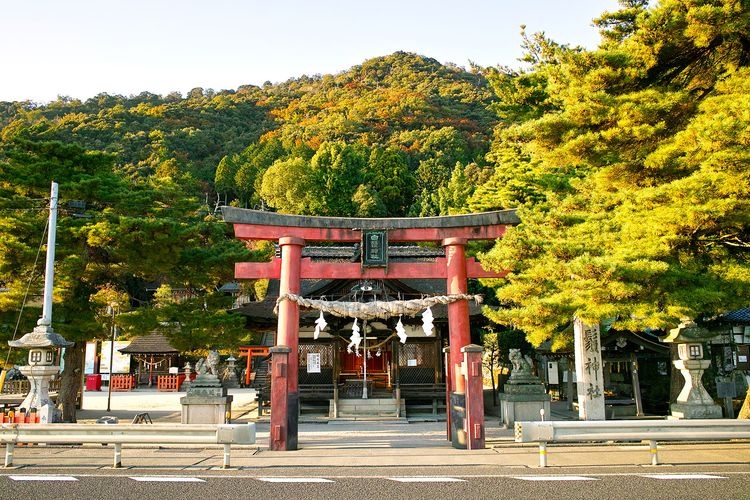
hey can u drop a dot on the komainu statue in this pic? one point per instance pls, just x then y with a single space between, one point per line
209 364
521 364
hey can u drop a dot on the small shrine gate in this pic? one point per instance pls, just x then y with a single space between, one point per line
464 378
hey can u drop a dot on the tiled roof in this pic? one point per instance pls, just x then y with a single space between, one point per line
740 315
153 343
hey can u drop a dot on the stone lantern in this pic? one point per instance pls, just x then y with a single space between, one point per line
693 401
42 343
230 374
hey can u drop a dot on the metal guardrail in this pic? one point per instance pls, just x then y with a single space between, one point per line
628 430
117 435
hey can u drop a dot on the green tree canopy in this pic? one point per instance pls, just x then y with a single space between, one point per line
633 173
118 237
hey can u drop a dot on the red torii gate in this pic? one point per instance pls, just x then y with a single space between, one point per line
465 405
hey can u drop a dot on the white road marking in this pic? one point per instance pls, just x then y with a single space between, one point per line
555 478
164 479
294 480
682 476
427 479
43 478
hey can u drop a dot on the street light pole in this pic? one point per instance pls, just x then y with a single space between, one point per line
111 357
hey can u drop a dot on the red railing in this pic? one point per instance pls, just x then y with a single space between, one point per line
169 383
122 383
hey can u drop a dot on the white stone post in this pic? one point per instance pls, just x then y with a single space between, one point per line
589 377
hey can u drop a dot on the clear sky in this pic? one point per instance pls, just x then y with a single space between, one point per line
80 48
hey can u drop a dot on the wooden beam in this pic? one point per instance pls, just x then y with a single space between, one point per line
354 270
353 235
234 215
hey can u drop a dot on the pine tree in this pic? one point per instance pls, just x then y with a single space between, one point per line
633 174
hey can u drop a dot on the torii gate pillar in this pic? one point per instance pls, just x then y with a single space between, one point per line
459 336
288 335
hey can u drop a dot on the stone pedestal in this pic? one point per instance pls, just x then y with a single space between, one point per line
694 401
206 402
39 378
522 402
523 395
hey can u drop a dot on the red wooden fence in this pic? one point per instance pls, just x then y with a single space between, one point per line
122 382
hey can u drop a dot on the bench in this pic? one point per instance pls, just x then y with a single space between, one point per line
15 391
564 431
224 434
416 396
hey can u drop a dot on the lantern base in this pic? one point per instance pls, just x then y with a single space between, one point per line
39 376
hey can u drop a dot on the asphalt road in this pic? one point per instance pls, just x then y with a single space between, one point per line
689 482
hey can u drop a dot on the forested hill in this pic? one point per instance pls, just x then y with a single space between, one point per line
629 165
399 112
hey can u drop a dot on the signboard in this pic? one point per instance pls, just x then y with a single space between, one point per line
743 354
313 362
90 358
552 375
120 362
374 248
726 389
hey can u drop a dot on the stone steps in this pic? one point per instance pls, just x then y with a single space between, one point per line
372 407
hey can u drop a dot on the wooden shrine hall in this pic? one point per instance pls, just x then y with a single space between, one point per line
154 356
407 374
376 279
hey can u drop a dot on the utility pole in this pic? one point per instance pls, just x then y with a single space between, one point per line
111 309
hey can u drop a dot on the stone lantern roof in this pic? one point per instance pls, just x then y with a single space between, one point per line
40 336
688 331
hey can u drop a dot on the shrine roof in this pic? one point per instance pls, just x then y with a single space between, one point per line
648 340
153 343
